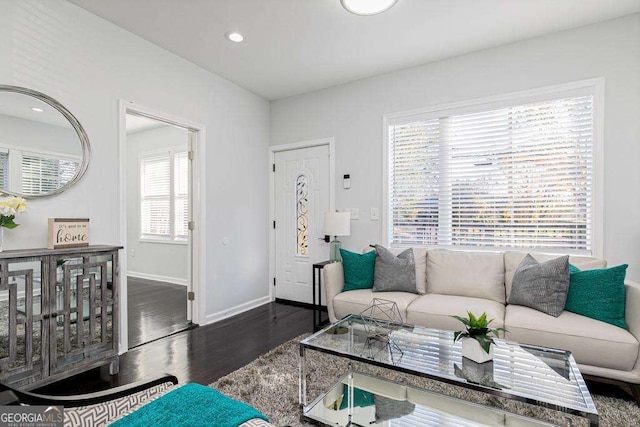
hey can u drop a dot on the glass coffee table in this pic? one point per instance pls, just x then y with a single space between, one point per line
540 376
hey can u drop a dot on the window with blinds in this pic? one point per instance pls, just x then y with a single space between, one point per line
4 169
519 176
164 196
42 173
181 195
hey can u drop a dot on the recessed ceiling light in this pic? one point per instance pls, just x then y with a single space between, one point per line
37 110
234 36
367 7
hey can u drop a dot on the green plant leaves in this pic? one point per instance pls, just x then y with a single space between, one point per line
485 342
6 221
478 329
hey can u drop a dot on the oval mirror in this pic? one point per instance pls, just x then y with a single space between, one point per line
43 147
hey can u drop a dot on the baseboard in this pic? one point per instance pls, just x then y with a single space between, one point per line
300 304
158 278
241 308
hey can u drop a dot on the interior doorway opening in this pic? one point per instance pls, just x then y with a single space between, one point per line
158 187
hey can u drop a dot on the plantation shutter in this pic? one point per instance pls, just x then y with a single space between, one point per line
519 176
155 194
181 168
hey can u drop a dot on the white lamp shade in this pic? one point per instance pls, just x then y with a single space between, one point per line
337 223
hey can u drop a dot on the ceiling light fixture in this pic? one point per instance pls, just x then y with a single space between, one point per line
37 110
234 36
367 7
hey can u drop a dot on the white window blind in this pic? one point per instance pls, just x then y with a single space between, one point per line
519 176
164 195
156 195
181 198
42 173
4 169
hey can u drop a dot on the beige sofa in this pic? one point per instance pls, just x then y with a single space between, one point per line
454 282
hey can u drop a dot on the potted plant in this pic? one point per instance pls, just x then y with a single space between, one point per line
477 342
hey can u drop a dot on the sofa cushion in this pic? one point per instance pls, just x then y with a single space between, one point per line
599 294
592 342
354 302
435 311
542 285
420 258
469 274
513 258
394 272
358 270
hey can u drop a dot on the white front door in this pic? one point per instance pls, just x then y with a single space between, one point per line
301 199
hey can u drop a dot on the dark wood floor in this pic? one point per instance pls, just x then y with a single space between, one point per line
156 310
200 355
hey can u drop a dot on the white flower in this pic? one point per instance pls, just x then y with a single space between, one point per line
5 209
20 204
12 205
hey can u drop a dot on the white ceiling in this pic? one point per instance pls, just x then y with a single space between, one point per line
296 46
19 105
136 124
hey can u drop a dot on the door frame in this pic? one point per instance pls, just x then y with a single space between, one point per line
196 272
329 141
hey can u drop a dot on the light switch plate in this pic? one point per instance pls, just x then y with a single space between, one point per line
355 213
375 214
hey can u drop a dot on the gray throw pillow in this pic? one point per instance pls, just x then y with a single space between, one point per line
394 273
542 286
389 409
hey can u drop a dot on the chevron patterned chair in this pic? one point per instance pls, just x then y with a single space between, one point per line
104 407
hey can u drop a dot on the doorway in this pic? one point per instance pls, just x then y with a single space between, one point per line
158 177
302 194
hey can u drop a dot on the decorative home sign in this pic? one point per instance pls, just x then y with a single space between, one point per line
68 233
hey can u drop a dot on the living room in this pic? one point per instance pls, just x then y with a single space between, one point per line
317 76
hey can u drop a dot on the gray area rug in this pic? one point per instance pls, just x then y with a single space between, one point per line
270 383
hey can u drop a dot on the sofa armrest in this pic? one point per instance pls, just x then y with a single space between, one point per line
333 283
632 308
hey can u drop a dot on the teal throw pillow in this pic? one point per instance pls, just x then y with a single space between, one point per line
361 398
598 294
358 270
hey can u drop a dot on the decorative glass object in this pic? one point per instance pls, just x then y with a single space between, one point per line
9 207
336 224
334 251
302 209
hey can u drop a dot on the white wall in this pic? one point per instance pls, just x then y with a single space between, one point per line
87 64
352 113
169 261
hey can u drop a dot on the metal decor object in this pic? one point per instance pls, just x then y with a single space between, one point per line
83 163
382 318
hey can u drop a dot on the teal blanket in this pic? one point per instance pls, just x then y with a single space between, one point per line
191 405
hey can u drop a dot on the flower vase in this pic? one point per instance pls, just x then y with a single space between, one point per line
471 349
1 239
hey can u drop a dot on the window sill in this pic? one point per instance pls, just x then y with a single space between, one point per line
164 242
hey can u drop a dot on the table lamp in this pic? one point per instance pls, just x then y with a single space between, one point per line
336 224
